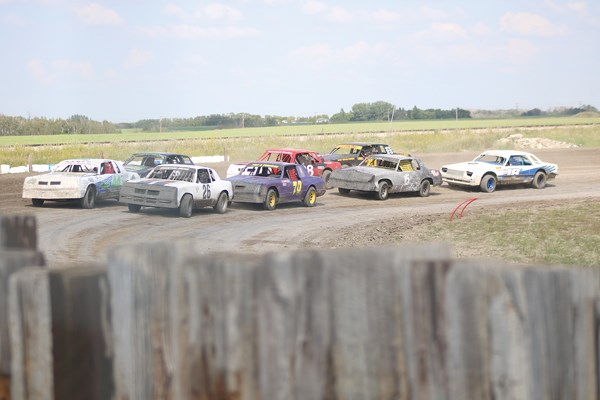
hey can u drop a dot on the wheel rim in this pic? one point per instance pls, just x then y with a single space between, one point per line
491 184
312 197
272 199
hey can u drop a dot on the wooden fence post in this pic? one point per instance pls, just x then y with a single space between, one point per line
61 334
18 249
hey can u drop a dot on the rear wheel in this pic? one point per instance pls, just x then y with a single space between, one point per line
488 183
425 188
343 191
37 202
89 199
270 200
222 203
310 198
384 191
186 206
325 177
134 208
539 180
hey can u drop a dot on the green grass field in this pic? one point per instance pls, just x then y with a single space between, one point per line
245 144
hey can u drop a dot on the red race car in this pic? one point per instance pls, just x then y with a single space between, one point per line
314 163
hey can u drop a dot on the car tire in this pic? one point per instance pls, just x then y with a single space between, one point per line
384 191
186 206
222 203
325 176
539 180
344 191
134 208
310 198
37 202
270 202
488 183
89 198
425 188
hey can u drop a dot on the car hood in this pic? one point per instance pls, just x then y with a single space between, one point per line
158 182
472 166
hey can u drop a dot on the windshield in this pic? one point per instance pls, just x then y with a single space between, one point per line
346 149
491 159
173 174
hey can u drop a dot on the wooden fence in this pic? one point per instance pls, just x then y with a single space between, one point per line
164 321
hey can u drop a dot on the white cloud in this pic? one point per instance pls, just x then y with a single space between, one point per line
211 11
386 16
433 13
320 55
95 14
314 7
228 32
330 13
39 73
81 68
443 31
137 57
578 7
528 24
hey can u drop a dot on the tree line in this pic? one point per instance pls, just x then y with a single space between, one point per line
360 112
77 124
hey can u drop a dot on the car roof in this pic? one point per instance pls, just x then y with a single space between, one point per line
85 160
361 144
392 156
157 153
275 163
288 150
505 153
189 166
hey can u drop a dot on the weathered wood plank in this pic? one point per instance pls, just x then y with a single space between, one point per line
18 232
31 337
61 334
10 262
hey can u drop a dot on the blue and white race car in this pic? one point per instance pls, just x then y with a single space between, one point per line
500 167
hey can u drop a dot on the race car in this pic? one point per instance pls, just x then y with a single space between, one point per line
500 167
273 183
315 165
178 186
353 153
142 163
387 173
86 180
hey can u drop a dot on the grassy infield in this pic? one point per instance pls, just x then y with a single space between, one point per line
567 234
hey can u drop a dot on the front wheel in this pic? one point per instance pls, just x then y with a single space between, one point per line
310 198
37 202
222 203
186 206
488 183
425 188
384 191
134 208
89 199
270 200
539 180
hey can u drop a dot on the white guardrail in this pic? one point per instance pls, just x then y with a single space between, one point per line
7 169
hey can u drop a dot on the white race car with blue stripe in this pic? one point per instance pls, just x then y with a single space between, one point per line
500 167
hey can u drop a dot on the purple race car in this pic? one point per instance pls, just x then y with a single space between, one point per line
272 183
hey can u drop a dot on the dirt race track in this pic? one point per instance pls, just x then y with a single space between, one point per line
70 235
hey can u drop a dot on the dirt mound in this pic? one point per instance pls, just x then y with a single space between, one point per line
518 141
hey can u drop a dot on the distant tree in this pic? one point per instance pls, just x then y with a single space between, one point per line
534 112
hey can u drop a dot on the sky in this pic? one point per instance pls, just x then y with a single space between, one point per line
127 60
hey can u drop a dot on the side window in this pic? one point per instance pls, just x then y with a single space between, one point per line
291 173
203 176
212 176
